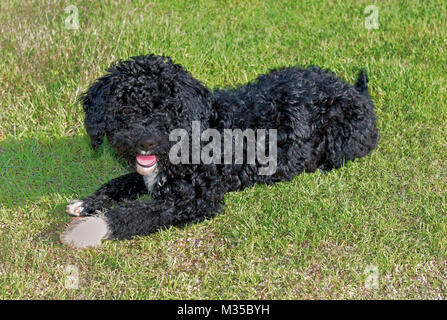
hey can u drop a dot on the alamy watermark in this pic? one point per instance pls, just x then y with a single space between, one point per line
372 277
72 21
211 153
71 277
372 20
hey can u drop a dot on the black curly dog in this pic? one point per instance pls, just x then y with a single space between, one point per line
321 122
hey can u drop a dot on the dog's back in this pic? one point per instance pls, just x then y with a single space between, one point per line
321 120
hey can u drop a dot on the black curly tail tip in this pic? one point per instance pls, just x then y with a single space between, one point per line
362 83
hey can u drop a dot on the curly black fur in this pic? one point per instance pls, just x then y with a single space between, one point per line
321 122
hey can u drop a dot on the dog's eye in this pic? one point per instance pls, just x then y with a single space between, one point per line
126 110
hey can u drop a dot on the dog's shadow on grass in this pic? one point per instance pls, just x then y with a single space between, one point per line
46 172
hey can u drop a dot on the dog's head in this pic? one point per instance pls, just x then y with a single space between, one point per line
138 103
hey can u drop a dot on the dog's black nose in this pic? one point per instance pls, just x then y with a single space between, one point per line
146 144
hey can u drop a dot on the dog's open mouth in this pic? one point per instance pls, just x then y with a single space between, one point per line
146 164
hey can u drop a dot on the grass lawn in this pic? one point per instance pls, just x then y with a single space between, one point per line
374 229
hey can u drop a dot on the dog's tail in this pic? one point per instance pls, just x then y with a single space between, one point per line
362 83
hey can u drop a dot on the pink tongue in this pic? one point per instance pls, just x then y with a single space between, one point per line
146 161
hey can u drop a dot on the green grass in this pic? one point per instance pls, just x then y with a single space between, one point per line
313 237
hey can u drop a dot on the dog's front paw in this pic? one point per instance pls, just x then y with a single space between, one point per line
75 208
86 232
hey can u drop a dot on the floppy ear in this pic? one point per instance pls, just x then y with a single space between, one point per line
95 106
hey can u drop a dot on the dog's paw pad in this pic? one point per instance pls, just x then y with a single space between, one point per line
83 233
75 208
